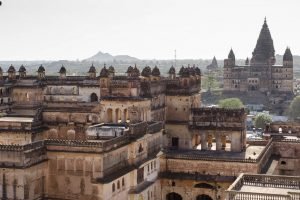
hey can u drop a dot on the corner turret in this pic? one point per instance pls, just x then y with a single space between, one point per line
22 72
92 71
62 72
230 61
41 72
172 72
288 58
11 72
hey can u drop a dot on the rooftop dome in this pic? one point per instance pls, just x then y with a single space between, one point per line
11 69
92 69
181 70
136 70
155 71
129 69
146 71
172 70
192 71
111 69
22 69
41 68
104 72
62 70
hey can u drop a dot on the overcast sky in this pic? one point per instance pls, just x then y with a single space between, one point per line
146 29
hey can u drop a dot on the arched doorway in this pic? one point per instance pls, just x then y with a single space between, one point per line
203 197
94 97
109 115
173 196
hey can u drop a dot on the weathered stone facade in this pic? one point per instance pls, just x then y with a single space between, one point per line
134 136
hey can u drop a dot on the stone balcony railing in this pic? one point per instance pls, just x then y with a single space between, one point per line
264 183
86 146
155 127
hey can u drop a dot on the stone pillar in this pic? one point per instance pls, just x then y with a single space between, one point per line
218 142
209 141
123 118
203 141
236 142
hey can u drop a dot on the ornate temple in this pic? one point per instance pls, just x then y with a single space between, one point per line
271 84
213 65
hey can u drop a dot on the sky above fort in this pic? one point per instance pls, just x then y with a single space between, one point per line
146 29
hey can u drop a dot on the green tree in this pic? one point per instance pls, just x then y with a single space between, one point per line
261 120
294 108
209 82
231 103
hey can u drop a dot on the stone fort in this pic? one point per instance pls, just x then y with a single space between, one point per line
137 136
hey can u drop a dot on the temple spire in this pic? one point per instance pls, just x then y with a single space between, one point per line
264 49
231 55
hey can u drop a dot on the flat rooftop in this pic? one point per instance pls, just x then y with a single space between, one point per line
261 186
16 119
251 152
105 131
267 190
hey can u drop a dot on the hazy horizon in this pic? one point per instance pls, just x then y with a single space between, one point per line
197 29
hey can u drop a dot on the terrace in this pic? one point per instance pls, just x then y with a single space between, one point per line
256 186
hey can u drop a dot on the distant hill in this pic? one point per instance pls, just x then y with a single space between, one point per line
106 57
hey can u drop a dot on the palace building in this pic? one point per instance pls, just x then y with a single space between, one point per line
137 135
140 136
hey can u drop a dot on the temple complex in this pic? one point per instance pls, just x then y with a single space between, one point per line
271 84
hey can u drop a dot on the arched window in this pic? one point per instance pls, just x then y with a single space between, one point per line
140 148
123 182
173 196
94 97
118 185
283 162
113 187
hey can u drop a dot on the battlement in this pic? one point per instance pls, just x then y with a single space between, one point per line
22 156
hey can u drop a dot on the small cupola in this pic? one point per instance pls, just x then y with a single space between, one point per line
92 71
62 72
41 72
22 72
172 72
11 72
104 72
